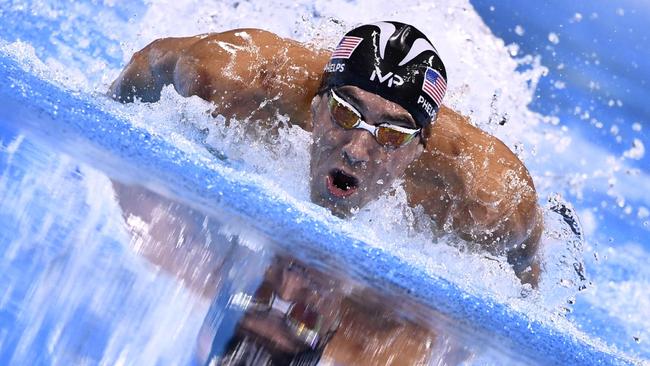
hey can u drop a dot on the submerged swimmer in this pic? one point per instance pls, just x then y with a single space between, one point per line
374 107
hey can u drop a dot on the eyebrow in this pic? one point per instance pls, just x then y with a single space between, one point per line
402 119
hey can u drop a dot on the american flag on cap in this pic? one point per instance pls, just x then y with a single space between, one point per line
347 45
434 85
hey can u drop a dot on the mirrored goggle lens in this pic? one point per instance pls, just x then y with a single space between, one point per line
392 138
343 115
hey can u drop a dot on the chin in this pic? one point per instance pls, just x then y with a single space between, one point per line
341 211
338 207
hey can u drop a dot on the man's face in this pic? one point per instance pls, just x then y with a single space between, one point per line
349 168
292 283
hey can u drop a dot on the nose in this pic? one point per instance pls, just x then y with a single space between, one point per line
357 151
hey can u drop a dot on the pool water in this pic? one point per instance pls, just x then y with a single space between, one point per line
86 281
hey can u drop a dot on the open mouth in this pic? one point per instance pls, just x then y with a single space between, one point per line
341 184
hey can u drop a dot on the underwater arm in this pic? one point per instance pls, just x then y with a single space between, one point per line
373 334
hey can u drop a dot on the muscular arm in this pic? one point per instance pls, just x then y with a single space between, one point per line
470 183
149 70
246 73
371 334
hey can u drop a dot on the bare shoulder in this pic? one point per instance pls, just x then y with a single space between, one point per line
252 73
471 182
247 73
453 133
259 43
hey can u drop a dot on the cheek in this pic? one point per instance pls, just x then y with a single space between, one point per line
327 140
322 145
322 150
395 164
322 129
318 135
380 171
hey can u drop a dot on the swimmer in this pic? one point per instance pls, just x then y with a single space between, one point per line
374 109
375 113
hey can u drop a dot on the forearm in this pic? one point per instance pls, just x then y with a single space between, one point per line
524 257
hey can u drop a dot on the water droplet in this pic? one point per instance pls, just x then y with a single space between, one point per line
637 151
519 30
637 339
513 49
577 17
553 38
380 181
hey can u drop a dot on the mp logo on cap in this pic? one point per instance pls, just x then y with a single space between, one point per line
393 79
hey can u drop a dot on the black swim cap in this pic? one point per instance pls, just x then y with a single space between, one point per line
393 60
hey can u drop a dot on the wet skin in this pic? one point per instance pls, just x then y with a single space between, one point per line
467 181
464 178
349 168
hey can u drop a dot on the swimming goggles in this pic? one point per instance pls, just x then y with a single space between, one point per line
303 321
386 134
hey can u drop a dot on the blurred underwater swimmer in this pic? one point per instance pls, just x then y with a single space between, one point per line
374 108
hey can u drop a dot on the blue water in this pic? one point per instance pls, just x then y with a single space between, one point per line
602 64
603 61
77 327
